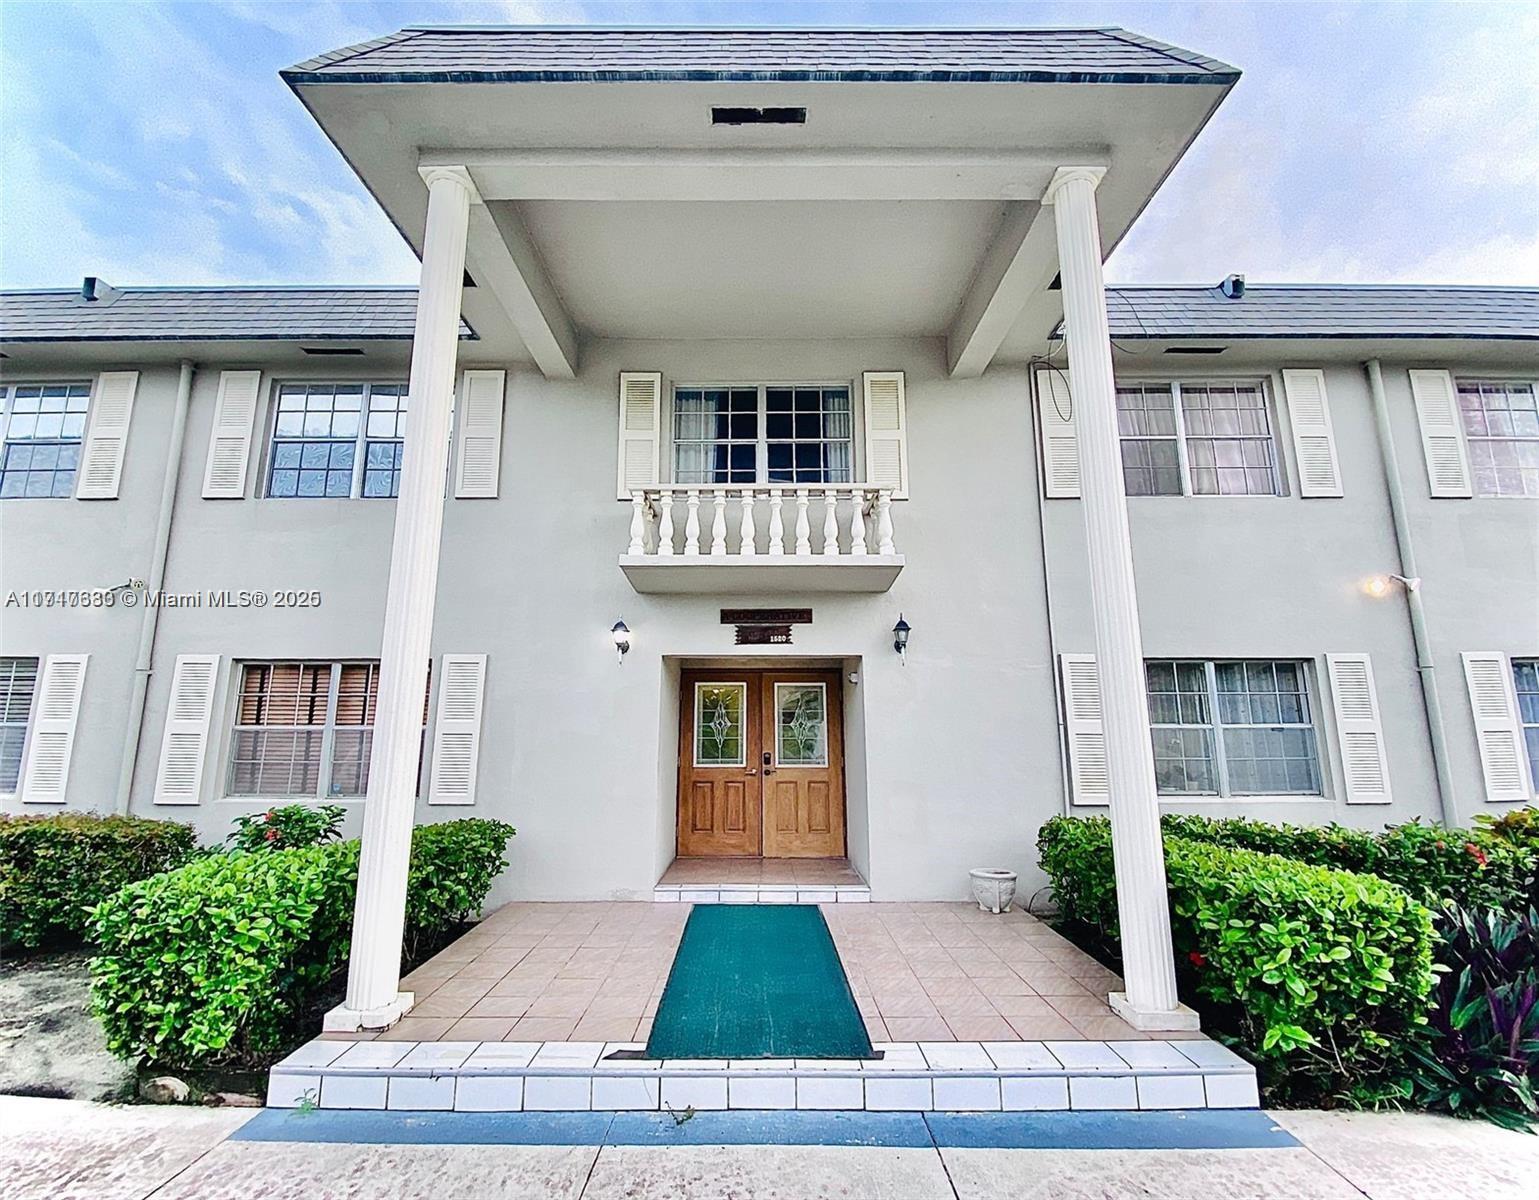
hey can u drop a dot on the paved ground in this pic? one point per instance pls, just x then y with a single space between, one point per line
70 1150
50 1045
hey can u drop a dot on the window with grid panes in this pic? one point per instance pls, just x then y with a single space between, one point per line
1501 429
793 434
42 427
18 685
1202 439
1232 728
1525 677
337 439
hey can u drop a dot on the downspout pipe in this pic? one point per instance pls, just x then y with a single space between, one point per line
1425 670
150 619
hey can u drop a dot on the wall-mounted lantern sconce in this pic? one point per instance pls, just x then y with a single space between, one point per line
622 636
1379 585
900 633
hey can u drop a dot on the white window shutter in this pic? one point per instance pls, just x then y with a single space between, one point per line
1314 441
184 747
1364 764
45 775
229 443
1060 446
886 432
1442 442
1088 781
641 422
479 432
101 461
457 734
1498 731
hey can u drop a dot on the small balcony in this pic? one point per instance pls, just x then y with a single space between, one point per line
767 539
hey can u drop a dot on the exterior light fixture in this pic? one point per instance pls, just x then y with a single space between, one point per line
1379 585
900 633
622 636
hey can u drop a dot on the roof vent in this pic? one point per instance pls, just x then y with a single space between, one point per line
331 351
1195 349
758 116
95 291
1233 287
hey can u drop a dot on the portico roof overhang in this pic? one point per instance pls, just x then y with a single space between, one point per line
907 205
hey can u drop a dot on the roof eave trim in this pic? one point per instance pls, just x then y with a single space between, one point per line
1316 336
466 335
298 77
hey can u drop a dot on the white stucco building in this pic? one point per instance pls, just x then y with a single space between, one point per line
756 343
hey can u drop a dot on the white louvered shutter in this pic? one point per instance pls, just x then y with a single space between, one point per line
641 420
1060 446
1364 764
886 431
1498 731
1088 781
101 461
45 774
1437 411
479 432
229 443
1314 441
457 735
184 747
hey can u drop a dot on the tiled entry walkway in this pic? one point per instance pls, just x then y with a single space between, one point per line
920 972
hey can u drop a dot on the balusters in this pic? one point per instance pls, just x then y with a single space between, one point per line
803 529
638 524
692 526
719 524
777 536
665 524
745 529
884 524
830 522
858 523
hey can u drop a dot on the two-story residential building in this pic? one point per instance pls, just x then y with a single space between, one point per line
763 472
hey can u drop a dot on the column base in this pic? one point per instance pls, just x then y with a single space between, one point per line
1154 1020
353 1020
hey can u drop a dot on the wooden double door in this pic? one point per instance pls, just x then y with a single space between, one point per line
761 763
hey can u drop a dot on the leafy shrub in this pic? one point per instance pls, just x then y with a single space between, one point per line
225 960
1485 1060
53 869
1474 869
288 826
1319 974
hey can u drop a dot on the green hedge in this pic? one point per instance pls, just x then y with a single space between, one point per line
224 960
1321 975
1473 868
54 869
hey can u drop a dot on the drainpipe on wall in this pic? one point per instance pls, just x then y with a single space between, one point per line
1447 808
152 584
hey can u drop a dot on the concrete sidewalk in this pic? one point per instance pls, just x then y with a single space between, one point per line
71 1150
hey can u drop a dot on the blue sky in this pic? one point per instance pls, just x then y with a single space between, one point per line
153 143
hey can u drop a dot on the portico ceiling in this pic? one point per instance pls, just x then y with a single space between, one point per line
904 206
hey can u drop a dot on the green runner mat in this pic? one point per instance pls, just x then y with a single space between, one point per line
757 981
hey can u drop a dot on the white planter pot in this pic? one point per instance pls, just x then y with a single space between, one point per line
993 888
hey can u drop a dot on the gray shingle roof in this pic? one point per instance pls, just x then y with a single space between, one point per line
525 54
212 314
1335 311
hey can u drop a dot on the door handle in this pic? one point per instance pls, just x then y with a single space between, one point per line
751 771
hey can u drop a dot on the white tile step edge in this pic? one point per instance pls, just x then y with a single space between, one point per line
760 893
912 1077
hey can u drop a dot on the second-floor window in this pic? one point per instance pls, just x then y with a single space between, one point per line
1232 728
1200 439
802 434
337 439
18 684
41 428
1501 428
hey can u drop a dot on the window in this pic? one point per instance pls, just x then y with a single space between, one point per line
792 434
1201 439
1232 728
304 729
43 427
1501 427
1525 676
337 439
18 683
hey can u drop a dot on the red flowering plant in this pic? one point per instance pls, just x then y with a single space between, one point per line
288 826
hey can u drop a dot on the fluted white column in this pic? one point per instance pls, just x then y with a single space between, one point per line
374 997
1148 963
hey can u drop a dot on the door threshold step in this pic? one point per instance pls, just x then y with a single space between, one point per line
761 893
909 1077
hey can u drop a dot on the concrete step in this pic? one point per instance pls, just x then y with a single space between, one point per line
761 893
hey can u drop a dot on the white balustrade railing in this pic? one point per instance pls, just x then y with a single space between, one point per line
853 521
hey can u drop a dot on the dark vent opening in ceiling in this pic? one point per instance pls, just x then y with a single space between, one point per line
1195 349
332 351
758 116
